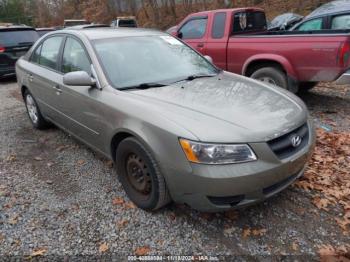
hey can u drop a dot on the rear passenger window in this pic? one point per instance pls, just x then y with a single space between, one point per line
249 21
341 22
49 52
75 57
194 29
219 25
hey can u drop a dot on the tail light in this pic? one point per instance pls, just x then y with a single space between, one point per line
344 54
2 49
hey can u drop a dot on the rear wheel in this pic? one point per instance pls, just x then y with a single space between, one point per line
33 111
140 175
272 76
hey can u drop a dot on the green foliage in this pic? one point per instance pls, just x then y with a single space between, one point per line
13 11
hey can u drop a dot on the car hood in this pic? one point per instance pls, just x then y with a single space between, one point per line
228 108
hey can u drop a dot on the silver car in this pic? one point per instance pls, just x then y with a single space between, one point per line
177 127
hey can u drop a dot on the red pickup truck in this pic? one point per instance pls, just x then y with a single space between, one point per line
238 41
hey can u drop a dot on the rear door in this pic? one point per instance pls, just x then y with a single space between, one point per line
44 76
194 32
14 43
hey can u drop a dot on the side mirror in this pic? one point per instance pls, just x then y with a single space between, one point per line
78 78
179 35
209 58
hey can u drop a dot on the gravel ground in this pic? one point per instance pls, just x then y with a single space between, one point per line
56 198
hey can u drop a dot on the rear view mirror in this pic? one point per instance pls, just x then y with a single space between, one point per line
209 58
179 35
78 78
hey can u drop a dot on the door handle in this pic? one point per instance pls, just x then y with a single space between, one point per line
30 77
201 45
57 89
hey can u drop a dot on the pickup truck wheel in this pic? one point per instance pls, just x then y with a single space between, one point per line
271 76
140 175
35 116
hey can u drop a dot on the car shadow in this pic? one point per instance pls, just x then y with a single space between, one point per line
325 99
8 80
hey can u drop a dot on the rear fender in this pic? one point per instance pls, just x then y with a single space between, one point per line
284 62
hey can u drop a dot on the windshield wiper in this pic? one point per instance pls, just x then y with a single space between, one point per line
143 86
193 77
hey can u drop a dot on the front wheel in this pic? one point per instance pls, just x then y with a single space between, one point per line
272 76
33 111
140 175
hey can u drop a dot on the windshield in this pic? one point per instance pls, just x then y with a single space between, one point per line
18 37
132 61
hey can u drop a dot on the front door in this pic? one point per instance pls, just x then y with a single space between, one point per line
80 104
194 33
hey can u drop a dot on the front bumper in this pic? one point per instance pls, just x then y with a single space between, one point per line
212 188
344 79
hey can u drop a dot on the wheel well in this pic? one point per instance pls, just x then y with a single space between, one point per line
256 65
119 137
23 89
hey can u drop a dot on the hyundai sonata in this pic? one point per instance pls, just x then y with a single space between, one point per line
176 126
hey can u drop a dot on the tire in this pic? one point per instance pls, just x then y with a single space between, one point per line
133 162
271 75
34 114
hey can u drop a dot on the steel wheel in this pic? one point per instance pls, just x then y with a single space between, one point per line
139 175
32 109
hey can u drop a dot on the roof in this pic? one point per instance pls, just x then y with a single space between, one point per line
79 27
16 27
108 32
331 8
228 10
45 29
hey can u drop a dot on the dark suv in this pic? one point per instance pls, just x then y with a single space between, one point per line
15 41
334 15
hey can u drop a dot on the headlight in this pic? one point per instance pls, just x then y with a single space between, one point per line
217 154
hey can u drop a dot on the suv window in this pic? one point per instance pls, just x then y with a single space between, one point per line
315 24
127 23
75 57
249 21
194 29
18 37
219 25
49 52
341 22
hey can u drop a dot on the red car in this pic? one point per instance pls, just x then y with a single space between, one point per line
238 41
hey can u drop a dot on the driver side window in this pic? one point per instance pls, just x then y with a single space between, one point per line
75 57
194 29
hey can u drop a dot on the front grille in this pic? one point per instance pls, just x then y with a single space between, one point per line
229 200
283 147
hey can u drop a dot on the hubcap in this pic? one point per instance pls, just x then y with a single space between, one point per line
268 80
32 109
138 174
